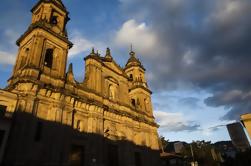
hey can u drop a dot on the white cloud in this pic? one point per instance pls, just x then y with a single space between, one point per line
174 122
11 36
7 58
8 50
80 44
138 34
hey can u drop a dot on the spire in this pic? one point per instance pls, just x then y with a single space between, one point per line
69 74
70 70
132 53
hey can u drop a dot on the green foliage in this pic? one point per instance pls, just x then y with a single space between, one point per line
163 142
202 152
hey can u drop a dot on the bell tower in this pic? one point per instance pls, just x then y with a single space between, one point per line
43 48
139 93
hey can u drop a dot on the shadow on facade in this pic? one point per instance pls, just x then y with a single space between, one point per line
34 141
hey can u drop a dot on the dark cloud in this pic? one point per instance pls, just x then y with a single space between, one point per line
190 102
180 127
237 101
217 127
203 44
175 122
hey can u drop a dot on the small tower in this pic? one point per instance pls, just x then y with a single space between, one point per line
93 71
139 92
43 48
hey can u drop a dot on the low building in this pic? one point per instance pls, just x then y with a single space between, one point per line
238 136
178 147
171 159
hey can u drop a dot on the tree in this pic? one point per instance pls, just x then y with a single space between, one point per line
163 143
202 152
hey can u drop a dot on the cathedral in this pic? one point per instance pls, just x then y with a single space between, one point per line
49 118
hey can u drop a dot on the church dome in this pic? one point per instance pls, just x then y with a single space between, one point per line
133 61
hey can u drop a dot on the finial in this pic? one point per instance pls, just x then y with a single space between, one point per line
92 52
108 52
131 52
70 68
97 53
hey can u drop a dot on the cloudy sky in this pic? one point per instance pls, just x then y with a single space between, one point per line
197 54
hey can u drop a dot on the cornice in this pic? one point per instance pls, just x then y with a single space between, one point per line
140 117
142 87
41 25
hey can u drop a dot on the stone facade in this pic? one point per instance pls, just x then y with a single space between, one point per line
56 120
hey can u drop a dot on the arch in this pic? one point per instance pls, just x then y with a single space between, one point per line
133 102
54 20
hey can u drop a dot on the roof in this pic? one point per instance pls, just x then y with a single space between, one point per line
169 155
57 3
133 61
41 25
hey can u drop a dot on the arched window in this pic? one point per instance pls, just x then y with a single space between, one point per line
48 60
133 102
54 20
131 76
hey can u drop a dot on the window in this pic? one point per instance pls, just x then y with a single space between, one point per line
131 76
2 110
133 102
54 20
38 133
48 60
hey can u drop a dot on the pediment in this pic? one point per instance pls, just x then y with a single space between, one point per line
114 66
